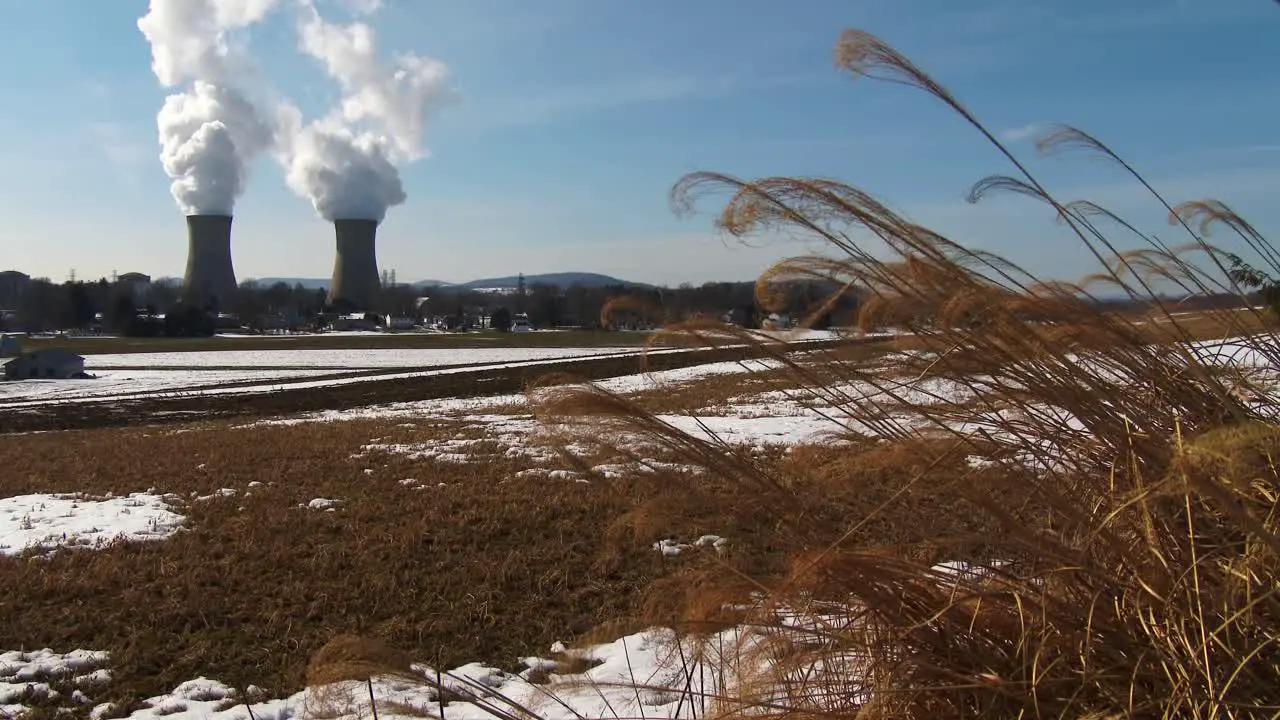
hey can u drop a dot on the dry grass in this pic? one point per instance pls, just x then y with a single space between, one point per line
1121 528
483 568
352 657
466 563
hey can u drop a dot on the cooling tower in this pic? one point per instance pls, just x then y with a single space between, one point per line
355 268
209 277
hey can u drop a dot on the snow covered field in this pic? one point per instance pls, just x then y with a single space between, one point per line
139 375
349 359
116 383
502 426
135 375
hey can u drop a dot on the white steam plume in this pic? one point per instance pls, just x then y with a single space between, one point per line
209 132
345 175
345 164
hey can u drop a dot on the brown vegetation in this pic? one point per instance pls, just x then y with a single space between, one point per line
484 567
1125 488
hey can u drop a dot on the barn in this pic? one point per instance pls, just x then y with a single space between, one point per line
46 363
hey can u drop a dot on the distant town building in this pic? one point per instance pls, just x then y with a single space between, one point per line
46 363
138 284
398 322
353 322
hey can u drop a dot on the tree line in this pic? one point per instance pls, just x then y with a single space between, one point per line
113 307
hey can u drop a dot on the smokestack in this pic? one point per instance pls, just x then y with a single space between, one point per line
355 268
209 276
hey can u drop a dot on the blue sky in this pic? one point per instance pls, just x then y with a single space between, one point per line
572 119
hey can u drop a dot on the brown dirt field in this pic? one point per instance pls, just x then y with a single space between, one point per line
466 563
483 567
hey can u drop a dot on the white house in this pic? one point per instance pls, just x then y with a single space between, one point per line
46 363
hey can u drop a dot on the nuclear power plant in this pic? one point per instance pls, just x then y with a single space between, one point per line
210 277
355 267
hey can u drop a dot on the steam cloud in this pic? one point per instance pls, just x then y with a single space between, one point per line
345 163
209 132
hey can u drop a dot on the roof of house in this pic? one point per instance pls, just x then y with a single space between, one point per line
53 354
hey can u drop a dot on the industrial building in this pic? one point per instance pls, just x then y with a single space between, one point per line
355 265
210 279
139 284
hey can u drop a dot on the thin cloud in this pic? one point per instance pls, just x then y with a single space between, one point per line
122 151
363 7
1025 132
555 103
551 104
98 89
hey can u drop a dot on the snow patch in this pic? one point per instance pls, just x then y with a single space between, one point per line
670 547
48 522
43 675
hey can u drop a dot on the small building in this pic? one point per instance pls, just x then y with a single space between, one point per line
46 363
353 322
777 321
227 321
139 284
9 346
398 322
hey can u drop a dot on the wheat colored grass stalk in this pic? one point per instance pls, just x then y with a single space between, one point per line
1129 481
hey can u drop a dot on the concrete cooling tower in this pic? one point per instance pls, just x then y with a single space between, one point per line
355 268
210 277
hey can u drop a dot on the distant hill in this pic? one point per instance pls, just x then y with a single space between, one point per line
309 283
563 279
323 283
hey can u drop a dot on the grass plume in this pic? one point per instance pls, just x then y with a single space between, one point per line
1123 473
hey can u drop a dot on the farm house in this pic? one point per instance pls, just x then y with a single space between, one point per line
47 363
